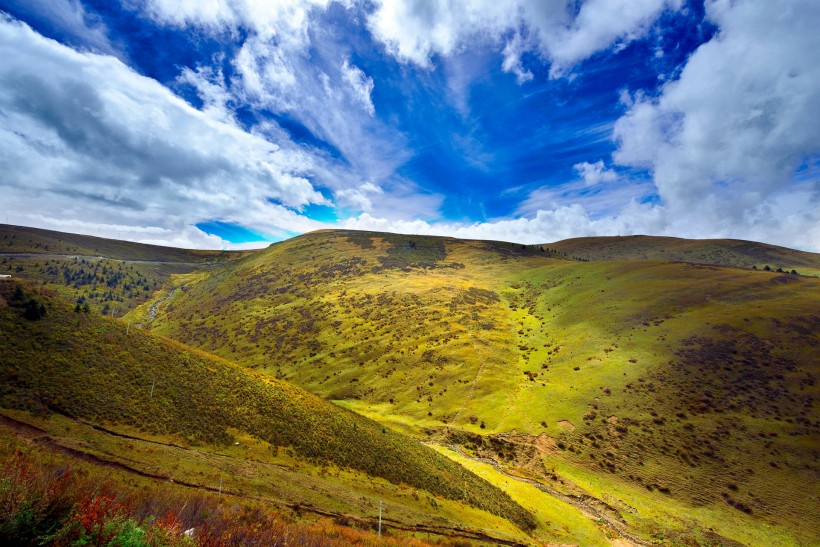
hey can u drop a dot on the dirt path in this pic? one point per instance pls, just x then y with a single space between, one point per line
152 311
42 437
48 256
585 504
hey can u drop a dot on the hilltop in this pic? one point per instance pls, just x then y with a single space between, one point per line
688 389
88 375
719 252
23 239
107 275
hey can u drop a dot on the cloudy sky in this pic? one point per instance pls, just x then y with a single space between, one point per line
231 123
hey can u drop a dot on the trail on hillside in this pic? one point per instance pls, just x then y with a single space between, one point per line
152 311
47 256
582 503
41 437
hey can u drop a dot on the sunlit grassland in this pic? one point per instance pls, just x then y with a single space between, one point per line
101 370
252 471
558 520
694 383
660 517
724 252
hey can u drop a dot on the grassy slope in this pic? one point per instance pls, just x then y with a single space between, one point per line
677 383
89 367
22 239
107 275
720 252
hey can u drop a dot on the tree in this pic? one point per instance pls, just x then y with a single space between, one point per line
794 272
767 268
34 310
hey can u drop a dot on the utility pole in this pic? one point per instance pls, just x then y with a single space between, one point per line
380 519
128 328
219 496
152 390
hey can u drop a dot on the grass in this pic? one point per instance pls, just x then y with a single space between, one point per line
100 275
460 336
48 498
721 252
557 520
22 239
84 366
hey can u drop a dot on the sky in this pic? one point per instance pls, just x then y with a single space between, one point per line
235 123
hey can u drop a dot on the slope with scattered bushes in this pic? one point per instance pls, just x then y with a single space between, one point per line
104 371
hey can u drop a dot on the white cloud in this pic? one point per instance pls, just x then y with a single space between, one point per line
286 19
512 53
211 88
723 141
557 30
594 174
545 226
83 138
327 94
81 29
359 198
361 85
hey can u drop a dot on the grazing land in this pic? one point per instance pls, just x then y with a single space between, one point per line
639 390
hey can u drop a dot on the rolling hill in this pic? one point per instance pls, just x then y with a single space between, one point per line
107 275
23 239
718 252
682 396
115 393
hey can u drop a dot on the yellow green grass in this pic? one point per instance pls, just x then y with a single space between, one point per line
694 380
557 520
105 372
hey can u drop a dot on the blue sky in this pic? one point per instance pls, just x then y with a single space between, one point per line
233 123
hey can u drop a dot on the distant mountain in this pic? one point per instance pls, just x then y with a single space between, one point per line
720 252
109 276
690 385
22 239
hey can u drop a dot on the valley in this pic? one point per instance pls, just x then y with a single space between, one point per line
581 392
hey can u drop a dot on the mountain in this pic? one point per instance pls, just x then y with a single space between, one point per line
682 396
75 371
718 252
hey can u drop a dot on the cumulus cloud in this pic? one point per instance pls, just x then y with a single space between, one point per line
285 18
723 141
358 198
557 30
83 138
595 173
545 226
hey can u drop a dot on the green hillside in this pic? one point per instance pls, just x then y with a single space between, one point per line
22 239
686 390
78 365
719 252
107 275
